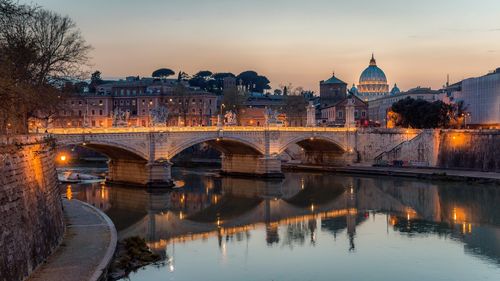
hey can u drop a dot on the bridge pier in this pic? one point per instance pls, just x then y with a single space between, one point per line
136 172
251 165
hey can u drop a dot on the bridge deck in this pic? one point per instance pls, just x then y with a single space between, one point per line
194 129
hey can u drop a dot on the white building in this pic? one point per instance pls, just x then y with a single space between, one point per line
481 97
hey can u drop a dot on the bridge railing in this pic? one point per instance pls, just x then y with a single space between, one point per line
116 130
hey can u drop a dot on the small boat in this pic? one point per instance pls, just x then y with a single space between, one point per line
74 177
179 184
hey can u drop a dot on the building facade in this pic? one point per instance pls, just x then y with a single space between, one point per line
481 99
336 115
331 91
135 100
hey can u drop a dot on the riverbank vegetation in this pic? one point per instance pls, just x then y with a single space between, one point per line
131 254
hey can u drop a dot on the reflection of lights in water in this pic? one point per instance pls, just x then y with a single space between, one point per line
170 264
302 183
312 207
459 215
393 220
103 192
69 192
352 190
407 216
224 249
181 215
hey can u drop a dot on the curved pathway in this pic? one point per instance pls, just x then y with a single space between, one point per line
87 247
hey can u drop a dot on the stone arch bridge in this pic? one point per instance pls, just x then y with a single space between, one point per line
142 155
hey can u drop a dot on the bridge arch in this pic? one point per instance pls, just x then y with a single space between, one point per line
314 143
319 150
227 145
112 150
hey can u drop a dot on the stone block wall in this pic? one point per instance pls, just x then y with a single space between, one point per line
470 149
421 150
372 142
31 217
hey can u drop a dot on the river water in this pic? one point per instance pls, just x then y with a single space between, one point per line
310 226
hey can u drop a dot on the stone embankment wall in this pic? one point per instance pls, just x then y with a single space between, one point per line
373 142
31 217
453 149
470 149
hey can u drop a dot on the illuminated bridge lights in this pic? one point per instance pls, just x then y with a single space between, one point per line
63 131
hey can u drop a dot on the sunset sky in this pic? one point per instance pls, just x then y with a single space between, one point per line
416 43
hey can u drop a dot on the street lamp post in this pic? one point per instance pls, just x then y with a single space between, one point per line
219 119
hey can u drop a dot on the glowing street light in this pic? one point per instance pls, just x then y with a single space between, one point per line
63 158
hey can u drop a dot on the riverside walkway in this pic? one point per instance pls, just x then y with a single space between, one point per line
87 247
431 173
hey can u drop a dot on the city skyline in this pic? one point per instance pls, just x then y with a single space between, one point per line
416 44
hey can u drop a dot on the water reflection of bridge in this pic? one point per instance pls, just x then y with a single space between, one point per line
225 207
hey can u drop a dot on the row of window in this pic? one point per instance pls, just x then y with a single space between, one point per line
80 113
81 103
340 114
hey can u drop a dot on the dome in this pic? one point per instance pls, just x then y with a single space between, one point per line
353 90
372 73
372 82
333 80
395 90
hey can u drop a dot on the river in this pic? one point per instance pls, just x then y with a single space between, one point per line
309 226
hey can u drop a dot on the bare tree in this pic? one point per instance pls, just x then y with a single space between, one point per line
39 51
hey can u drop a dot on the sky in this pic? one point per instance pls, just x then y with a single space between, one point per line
416 43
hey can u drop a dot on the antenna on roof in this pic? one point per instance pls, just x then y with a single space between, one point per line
447 80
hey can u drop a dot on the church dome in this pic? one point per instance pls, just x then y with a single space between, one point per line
395 90
373 73
353 90
372 82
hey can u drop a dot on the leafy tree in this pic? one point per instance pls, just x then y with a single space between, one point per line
95 80
204 74
220 76
202 79
218 81
162 73
422 114
253 81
